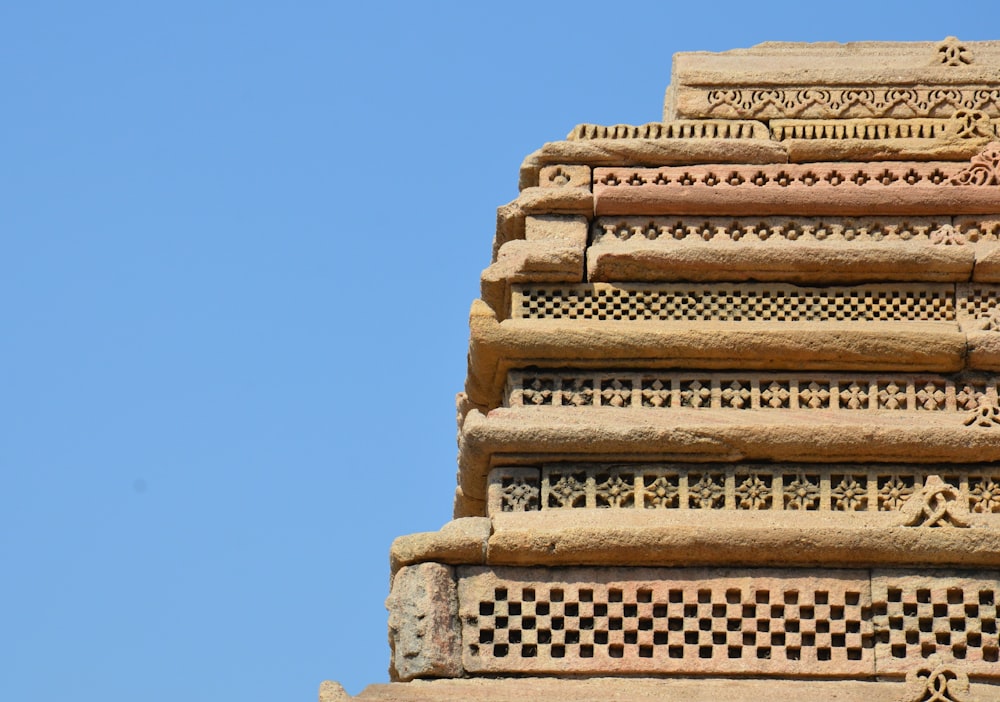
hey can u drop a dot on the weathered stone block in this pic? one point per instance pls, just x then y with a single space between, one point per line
423 623
563 176
778 80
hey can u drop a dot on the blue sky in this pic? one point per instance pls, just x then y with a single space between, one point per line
240 241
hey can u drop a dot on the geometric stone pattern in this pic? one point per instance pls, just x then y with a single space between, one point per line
969 124
746 391
858 230
665 621
850 488
922 615
809 623
680 129
881 177
740 302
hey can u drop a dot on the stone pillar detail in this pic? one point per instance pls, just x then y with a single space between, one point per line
423 623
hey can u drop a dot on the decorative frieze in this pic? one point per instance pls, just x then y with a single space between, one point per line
964 124
738 302
943 231
827 623
850 488
764 102
681 129
752 391
907 188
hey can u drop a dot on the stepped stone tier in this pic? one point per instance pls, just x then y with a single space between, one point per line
731 427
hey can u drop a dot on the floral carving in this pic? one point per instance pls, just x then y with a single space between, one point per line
615 491
984 496
854 396
616 393
983 169
849 495
874 102
538 392
802 492
736 395
753 493
814 395
931 397
577 392
707 492
892 396
567 491
663 491
519 495
696 394
655 394
893 492
952 52
968 397
775 395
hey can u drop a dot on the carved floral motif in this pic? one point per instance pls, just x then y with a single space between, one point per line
983 168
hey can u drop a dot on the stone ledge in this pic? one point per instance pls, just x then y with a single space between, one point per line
731 539
460 541
815 189
530 436
776 261
632 689
829 80
649 152
498 347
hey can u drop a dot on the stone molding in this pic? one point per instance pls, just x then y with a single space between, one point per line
860 79
529 436
833 188
849 488
825 623
693 689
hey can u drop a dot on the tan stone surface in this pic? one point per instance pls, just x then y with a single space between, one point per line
649 152
636 689
562 176
807 263
571 434
950 615
890 494
552 260
423 624
830 80
889 188
739 391
701 538
669 621
681 129
462 540
497 347
330 691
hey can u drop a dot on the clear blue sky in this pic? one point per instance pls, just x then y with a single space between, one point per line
240 241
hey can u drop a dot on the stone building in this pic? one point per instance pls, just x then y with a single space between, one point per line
732 415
